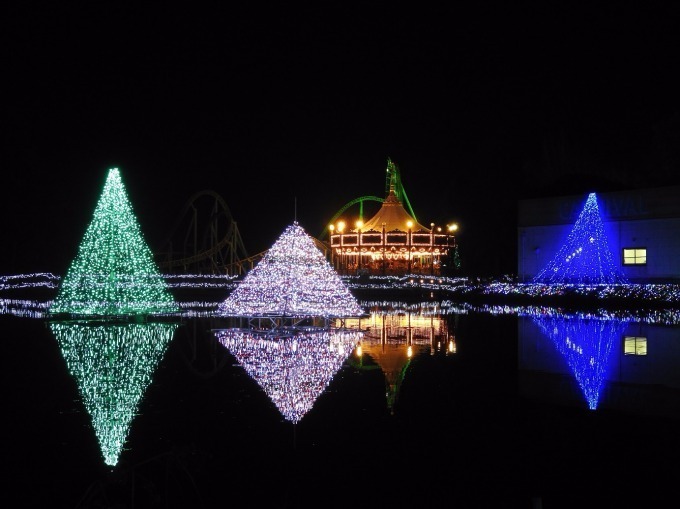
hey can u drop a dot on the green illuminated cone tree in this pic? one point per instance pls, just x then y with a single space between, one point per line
114 272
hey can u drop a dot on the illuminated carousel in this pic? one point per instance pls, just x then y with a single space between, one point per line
392 242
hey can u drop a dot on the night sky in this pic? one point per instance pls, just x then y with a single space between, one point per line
289 113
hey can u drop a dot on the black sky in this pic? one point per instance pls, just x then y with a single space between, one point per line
292 112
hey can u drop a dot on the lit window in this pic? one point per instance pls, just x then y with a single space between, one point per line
635 256
634 345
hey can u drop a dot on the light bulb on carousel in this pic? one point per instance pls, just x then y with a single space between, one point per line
359 224
409 225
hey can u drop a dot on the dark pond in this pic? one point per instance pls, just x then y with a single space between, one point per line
442 405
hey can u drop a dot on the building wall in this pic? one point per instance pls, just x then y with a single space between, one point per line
647 218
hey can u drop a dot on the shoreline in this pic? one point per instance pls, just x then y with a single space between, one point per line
476 291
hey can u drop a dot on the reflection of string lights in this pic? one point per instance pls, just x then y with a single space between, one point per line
586 345
292 369
652 316
292 279
114 272
202 309
24 308
113 365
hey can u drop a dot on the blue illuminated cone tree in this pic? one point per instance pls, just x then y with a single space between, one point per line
585 257
114 272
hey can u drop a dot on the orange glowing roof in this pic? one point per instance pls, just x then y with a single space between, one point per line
394 215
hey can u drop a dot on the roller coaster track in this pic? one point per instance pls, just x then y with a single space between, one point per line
347 205
209 240
205 239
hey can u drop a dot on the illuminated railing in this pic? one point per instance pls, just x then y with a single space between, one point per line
394 252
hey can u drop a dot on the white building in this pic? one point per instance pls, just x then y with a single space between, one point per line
642 228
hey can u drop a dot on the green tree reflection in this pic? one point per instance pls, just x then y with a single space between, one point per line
112 365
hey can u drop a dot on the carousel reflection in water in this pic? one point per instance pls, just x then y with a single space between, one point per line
112 365
292 367
395 334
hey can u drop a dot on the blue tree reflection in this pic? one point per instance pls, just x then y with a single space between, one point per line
112 365
586 345
293 369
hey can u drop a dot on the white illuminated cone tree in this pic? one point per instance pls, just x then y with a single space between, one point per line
293 279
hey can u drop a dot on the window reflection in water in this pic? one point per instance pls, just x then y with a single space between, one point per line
292 367
112 365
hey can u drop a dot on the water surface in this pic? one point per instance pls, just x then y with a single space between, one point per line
441 406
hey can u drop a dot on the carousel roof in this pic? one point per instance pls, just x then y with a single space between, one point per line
394 215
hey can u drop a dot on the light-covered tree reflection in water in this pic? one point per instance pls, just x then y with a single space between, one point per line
293 368
586 344
113 365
